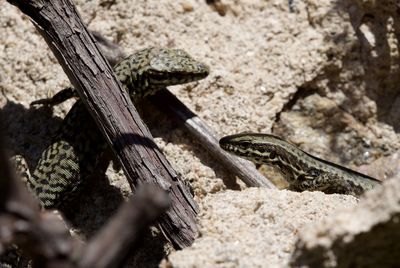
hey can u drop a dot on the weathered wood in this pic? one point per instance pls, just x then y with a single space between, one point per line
110 244
62 28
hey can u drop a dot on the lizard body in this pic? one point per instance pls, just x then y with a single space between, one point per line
302 170
79 145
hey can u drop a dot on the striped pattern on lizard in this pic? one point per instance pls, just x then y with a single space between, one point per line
79 145
302 170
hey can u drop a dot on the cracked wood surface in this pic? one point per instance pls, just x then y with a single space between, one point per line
62 28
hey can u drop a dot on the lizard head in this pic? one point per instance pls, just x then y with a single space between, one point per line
169 67
260 148
151 69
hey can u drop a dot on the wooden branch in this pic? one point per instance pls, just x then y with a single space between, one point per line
110 244
62 28
196 127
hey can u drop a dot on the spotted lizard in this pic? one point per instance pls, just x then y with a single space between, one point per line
77 148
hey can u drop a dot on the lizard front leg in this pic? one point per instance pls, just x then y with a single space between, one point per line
60 97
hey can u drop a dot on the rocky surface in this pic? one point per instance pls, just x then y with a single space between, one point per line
364 236
323 74
255 227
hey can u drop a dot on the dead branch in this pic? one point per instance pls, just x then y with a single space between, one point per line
65 33
110 244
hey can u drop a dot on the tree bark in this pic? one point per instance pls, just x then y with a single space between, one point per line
61 26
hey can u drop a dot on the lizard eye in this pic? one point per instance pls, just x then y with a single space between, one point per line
272 155
246 144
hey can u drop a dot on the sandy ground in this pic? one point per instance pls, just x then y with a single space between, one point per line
309 74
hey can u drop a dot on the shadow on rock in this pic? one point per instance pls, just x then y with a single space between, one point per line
29 131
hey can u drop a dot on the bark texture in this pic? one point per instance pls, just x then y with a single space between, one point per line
61 26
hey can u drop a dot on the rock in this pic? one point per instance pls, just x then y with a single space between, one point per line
367 235
255 227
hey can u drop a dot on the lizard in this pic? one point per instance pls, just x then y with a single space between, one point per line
302 170
79 145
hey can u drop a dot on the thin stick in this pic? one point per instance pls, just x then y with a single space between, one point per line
197 128
111 243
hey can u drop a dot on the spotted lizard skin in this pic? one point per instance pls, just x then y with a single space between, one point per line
77 148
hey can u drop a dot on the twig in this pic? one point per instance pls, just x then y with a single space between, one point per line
196 127
110 244
62 28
